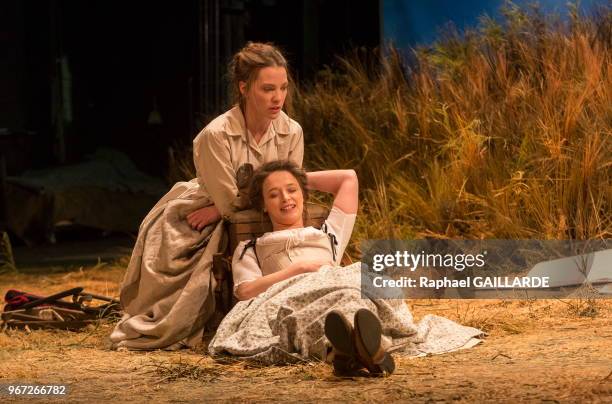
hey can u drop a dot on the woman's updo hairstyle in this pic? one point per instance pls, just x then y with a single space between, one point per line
247 62
259 176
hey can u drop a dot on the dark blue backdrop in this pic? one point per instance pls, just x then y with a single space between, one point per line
416 22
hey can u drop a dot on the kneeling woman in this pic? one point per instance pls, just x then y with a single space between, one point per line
296 299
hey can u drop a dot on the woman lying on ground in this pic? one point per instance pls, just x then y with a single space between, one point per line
167 293
295 298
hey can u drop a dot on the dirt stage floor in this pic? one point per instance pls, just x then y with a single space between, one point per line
549 350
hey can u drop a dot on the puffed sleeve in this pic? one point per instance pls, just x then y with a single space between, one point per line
212 160
341 225
296 147
245 268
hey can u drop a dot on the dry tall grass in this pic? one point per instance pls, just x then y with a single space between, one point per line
504 132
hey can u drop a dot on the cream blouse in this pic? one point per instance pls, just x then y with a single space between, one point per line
247 269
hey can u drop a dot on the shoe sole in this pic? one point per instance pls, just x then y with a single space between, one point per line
369 333
338 332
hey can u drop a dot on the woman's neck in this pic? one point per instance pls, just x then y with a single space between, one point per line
279 226
257 125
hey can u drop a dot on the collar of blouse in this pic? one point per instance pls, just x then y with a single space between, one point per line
236 125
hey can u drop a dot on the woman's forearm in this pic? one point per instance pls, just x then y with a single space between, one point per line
248 290
343 184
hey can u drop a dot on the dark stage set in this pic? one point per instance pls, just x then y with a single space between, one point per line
123 60
135 77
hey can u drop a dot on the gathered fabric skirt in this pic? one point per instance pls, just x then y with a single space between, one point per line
167 294
285 324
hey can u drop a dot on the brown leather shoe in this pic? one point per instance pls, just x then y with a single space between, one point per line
369 350
340 334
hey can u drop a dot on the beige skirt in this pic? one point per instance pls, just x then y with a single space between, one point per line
167 292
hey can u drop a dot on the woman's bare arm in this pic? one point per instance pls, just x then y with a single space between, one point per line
343 184
251 289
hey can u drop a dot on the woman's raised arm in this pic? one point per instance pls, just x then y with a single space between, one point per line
343 184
